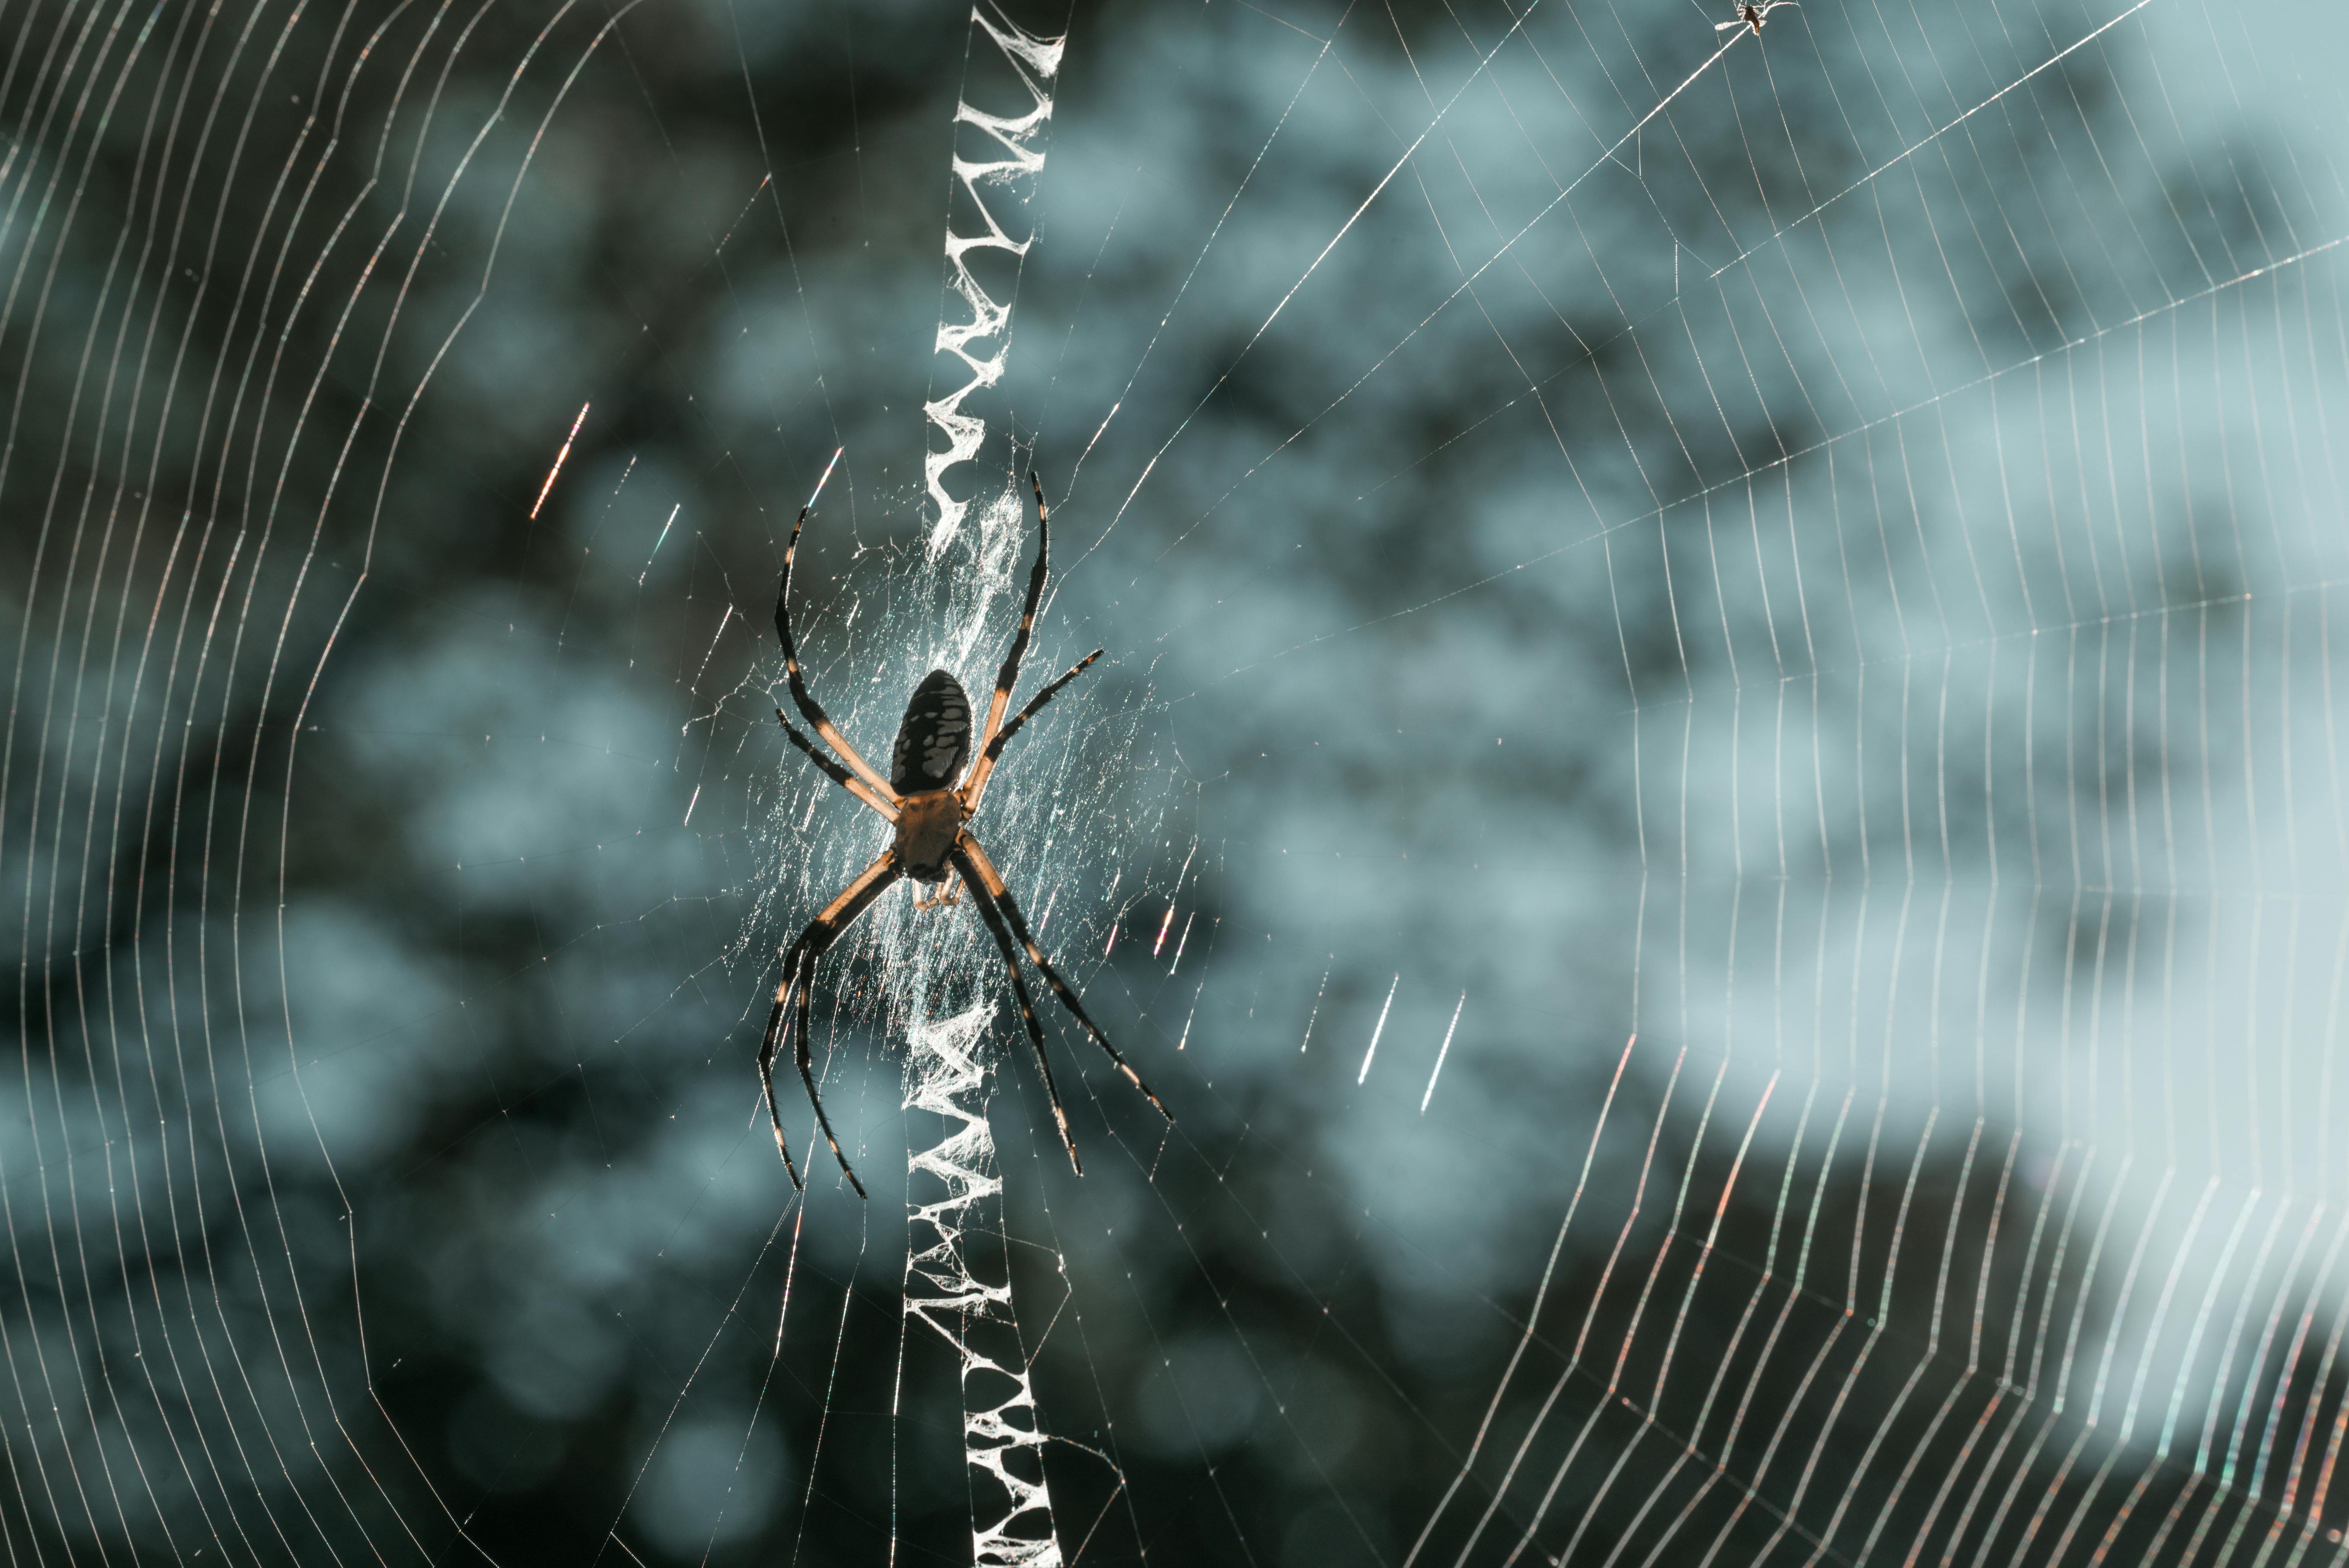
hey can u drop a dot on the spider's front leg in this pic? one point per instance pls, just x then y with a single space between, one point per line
984 769
1008 677
803 699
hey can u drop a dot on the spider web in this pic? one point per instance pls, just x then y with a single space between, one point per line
1714 799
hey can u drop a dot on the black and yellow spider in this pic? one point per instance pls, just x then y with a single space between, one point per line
933 840
1751 15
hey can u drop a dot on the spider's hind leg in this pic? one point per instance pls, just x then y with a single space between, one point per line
807 1077
799 980
993 920
988 882
777 1021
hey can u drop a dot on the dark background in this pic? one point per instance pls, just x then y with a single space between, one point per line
1833 591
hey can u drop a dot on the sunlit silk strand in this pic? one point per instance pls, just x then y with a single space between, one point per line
825 478
983 341
548 488
1443 1051
1002 1442
1380 1027
1012 1521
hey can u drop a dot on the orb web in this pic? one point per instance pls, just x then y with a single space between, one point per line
1804 552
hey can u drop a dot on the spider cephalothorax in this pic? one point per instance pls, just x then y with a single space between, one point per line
931 815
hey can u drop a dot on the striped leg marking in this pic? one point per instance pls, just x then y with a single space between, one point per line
839 775
985 878
801 696
1008 676
993 920
799 980
994 751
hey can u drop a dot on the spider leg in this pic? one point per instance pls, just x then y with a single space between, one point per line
799 979
988 758
993 920
767 1060
839 775
1008 676
807 1077
1003 736
800 697
986 883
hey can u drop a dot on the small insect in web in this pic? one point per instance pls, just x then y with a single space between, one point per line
933 840
1751 15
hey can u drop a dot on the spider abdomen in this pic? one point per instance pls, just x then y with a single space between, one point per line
933 737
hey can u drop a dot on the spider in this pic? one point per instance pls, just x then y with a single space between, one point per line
933 840
1751 15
